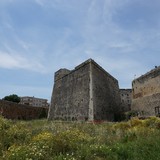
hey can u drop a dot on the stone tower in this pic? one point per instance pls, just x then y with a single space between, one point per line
86 93
146 93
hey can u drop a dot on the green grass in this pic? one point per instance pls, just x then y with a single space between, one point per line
52 140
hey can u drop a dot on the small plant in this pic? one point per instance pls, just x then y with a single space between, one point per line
131 114
135 122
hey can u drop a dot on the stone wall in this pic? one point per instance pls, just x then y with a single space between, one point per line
70 95
146 105
13 110
105 94
126 99
86 93
146 93
61 73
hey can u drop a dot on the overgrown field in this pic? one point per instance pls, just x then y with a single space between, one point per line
43 140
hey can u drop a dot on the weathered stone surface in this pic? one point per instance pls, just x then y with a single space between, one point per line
146 105
146 93
106 98
13 110
86 93
126 99
70 96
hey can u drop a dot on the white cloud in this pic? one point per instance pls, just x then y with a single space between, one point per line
11 61
92 24
52 3
40 2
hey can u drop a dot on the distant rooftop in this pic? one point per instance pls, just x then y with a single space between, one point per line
33 97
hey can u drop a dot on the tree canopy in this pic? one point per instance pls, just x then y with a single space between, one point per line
12 97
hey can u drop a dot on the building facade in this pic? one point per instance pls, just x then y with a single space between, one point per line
126 99
33 101
86 93
146 93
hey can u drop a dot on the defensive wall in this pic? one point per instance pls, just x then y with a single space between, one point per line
126 99
146 93
13 110
86 93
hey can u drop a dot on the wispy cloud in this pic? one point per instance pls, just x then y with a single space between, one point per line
123 36
40 2
11 61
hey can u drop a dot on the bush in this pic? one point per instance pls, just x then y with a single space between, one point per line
151 122
18 134
122 125
131 114
46 145
4 139
135 122
39 140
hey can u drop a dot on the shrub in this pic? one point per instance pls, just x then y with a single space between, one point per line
151 122
131 114
4 139
135 122
69 140
39 140
122 125
4 124
18 134
38 149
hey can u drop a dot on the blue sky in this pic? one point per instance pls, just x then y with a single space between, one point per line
38 37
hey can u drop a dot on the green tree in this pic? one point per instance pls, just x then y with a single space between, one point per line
12 97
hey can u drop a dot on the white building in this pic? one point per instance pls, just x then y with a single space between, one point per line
33 101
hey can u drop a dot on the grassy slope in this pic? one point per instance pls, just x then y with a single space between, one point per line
43 140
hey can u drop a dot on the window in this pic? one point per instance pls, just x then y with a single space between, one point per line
157 111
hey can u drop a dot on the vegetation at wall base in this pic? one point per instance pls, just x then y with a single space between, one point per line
50 140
